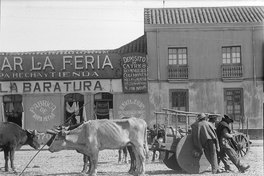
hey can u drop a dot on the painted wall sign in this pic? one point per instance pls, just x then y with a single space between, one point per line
62 66
43 110
131 105
135 73
28 87
132 108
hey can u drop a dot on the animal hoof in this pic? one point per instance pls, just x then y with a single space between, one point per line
131 172
83 171
140 174
92 174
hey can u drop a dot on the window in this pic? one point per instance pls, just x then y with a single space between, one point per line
231 55
179 101
177 56
234 103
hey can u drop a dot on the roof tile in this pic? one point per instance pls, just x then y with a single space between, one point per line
139 45
204 15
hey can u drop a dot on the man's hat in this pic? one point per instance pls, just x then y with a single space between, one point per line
201 116
228 119
213 117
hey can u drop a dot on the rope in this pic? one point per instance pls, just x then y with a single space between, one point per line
32 159
47 142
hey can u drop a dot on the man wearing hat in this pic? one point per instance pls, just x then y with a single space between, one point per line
225 136
205 139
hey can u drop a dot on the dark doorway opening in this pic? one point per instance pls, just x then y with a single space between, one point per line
103 104
13 108
73 104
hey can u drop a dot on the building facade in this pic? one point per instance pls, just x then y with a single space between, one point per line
207 60
191 59
40 90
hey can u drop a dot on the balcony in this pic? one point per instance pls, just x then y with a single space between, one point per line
177 73
232 72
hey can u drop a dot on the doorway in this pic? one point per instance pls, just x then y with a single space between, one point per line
13 108
179 101
103 105
73 105
233 98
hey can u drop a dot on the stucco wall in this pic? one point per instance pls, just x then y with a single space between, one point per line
205 84
258 50
208 96
204 51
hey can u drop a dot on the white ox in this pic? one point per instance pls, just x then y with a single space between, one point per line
95 135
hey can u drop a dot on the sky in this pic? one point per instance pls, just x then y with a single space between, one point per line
40 25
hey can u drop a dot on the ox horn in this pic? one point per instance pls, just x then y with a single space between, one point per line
34 132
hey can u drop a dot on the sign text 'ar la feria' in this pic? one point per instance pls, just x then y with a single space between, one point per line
59 66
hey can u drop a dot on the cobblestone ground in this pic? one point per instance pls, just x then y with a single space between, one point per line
69 162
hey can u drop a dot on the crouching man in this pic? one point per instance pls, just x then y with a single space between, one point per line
225 139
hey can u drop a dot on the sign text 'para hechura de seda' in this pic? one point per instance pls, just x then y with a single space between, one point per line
59 66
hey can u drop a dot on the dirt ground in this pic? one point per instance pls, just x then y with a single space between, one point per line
70 162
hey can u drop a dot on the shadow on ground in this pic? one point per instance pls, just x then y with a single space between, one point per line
164 172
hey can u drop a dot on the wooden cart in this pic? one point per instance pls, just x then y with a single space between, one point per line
177 147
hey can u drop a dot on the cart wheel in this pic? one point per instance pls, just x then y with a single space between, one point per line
243 144
170 160
185 157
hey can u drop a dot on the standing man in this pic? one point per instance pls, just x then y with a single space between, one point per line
225 138
224 157
205 139
214 120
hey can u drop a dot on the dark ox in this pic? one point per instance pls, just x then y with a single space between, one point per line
154 138
93 136
13 137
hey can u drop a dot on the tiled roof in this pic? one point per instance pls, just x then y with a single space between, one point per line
138 45
204 15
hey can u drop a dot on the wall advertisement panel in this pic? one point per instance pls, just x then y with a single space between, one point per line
135 69
43 112
37 87
131 105
59 66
